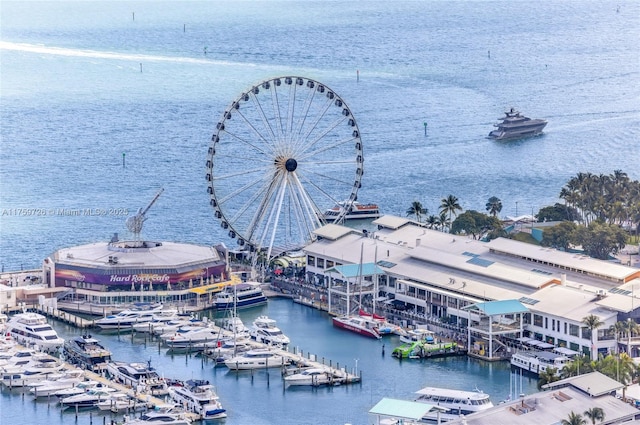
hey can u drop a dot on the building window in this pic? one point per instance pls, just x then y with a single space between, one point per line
537 320
311 261
574 330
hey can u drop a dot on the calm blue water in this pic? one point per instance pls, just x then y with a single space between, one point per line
264 400
83 82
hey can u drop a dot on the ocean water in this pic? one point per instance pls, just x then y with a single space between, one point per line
83 83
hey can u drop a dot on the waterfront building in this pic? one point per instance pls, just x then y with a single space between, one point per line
117 272
438 275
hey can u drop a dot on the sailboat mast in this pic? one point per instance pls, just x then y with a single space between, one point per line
375 280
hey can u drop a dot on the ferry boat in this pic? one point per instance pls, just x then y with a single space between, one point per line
87 352
536 361
355 210
418 335
198 397
33 329
358 324
516 126
242 295
456 401
256 359
138 375
265 330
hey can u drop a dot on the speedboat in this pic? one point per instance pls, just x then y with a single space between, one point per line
79 388
86 351
198 397
313 376
227 349
161 415
125 320
33 329
358 324
173 325
265 330
516 126
242 295
456 401
256 359
352 211
140 376
48 387
34 371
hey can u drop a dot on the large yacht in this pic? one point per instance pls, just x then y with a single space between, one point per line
516 126
265 330
127 318
256 359
456 403
354 211
33 329
198 397
138 375
87 352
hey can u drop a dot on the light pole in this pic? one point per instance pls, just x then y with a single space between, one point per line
516 209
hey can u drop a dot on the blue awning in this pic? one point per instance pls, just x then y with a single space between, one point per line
354 270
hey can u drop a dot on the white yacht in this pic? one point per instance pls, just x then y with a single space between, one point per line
173 325
198 397
49 387
120 402
140 376
313 376
33 329
79 388
265 330
162 415
456 401
189 336
34 371
256 359
160 318
125 320
227 349
87 399
242 295
236 327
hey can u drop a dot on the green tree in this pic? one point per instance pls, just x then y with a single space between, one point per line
574 419
557 212
595 414
494 206
432 221
417 209
548 376
592 322
475 223
450 206
600 240
559 236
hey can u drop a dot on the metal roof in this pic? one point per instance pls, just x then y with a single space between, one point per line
492 308
355 270
334 231
595 383
401 408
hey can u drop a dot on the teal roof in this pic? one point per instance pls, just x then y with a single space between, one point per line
355 270
492 308
401 409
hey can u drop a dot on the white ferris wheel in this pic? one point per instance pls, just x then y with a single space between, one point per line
283 153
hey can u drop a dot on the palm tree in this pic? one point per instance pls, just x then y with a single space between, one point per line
547 376
574 419
595 414
630 327
494 206
450 205
432 221
417 209
592 322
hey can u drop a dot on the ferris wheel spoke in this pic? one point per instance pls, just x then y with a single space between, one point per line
264 149
225 177
314 125
326 194
309 154
263 207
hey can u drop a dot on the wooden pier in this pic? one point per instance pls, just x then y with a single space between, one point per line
64 316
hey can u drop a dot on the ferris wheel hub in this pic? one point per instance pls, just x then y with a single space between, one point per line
291 165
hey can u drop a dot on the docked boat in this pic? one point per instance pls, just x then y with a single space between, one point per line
87 352
198 397
125 320
242 295
50 387
256 359
33 329
140 376
120 402
79 388
236 327
418 335
227 349
37 369
536 361
359 324
421 349
163 415
265 330
516 126
88 399
354 211
313 376
190 336
456 401
160 318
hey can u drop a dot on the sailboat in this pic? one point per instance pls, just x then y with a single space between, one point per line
360 324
